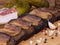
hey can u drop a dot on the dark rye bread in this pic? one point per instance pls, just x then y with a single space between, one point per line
6 40
13 31
58 5
3 2
26 26
51 3
36 21
33 19
46 13
43 14
55 13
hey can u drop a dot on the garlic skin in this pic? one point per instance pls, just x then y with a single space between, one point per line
51 26
51 32
8 16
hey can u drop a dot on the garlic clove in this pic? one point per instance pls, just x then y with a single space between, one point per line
51 26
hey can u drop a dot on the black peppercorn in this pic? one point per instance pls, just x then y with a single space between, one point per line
36 43
45 40
52 37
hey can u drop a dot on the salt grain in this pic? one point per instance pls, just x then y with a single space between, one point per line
31 41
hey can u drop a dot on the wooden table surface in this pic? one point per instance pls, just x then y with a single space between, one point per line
55 41
50 41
